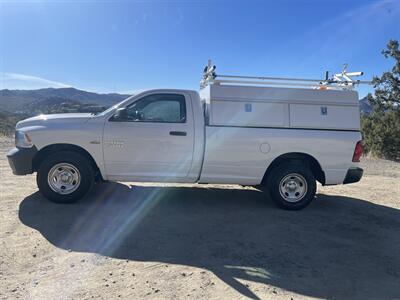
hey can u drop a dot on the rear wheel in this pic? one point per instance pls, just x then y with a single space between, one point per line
65 177
292 185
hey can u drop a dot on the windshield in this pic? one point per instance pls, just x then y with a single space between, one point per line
107 110
112 107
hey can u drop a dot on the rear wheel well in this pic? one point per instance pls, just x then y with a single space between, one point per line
303 158
44 152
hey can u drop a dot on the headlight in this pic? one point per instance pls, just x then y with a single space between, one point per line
22 140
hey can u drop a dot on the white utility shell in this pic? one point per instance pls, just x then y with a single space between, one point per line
254 106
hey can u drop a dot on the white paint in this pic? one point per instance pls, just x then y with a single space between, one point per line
228 150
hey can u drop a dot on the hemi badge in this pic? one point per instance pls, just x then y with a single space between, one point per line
95 142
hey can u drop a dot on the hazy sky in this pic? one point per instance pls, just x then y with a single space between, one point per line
124 46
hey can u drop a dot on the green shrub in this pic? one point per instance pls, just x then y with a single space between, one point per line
381 134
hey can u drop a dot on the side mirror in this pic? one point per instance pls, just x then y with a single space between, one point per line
120 115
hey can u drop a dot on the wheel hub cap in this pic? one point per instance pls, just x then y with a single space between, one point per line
64 178
293 187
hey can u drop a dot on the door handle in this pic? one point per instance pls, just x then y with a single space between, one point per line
178 133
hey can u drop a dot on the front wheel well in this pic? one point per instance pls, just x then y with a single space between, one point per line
303 158
50 149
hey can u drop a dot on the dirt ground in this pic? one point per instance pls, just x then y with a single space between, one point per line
158 241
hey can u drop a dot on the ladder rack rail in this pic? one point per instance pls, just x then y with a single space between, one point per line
340 81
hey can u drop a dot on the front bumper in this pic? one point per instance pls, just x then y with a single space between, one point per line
20 160
353 175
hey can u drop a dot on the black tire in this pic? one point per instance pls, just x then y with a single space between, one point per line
284 171
78 161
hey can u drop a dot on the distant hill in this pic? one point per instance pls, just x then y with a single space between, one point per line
365 106
16 100
16 105
55 105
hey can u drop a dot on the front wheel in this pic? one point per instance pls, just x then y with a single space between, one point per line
65 177
292 186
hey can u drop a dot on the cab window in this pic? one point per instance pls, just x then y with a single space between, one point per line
160 108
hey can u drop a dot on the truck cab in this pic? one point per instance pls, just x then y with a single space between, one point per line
155 136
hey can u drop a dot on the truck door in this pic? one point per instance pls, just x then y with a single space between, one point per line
153 141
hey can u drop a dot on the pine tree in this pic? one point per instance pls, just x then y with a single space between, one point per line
381 129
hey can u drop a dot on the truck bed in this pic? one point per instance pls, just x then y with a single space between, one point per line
242 154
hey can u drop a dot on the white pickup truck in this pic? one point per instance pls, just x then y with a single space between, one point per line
279 139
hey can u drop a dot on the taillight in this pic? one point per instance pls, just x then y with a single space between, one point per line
358 151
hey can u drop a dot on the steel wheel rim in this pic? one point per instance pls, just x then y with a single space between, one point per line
64 178
293 187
